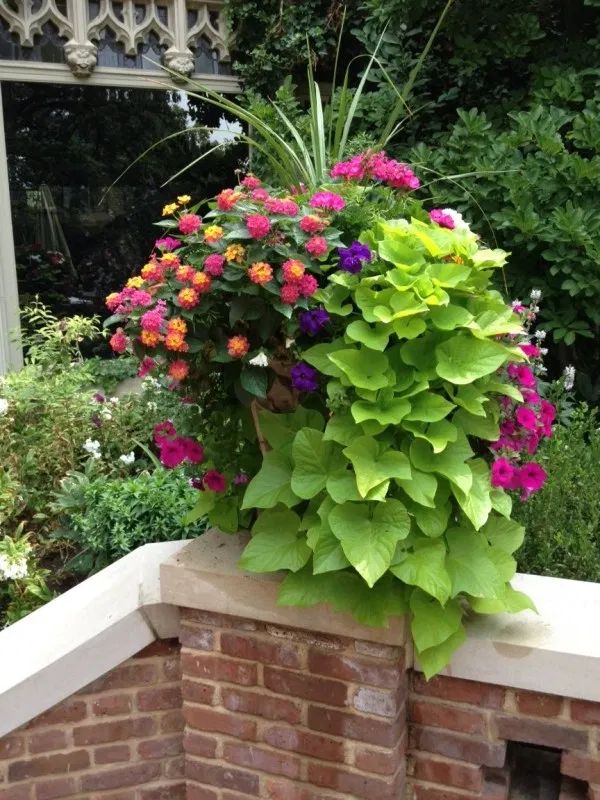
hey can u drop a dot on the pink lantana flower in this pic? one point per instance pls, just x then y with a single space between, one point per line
317 246
258 225
328 200
189 223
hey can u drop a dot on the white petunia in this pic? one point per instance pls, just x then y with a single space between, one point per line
536 295
260 360
13 569
3 405
457 218
127 458
113 400
92 446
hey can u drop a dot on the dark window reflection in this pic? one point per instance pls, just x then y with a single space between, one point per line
47 47
66 145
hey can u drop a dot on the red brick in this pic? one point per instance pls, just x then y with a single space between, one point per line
197 638
580 766
69 711
438 793
309 687
161 647
593 792
539 705
198 745
351 783
16 793
281 789
354 668
380 702
309 744
453 718
112 754
381 762
386 652
462 748
172 722
448 773
496 785
226 777
160 748
218 668
61 787
195 792
207 719
47 740
175 767
453 689
198 692
246 755
253 648
582 711
11 747
55 764
131 775
243 701
127 676
171 668
354 726
116 731
547 734
172 791
159 699
111 706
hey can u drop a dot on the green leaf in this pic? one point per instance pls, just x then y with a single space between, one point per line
508 600
376 337
482 427
255 381
471 399
501 502
275 543
489 258
506 389
476 502
365 368
341 428
429 407
470 568
342 486
433 521
447 318
387 410
505 534
464 358
367 300
432 624
333 298
450 462
438 434
328 555
425 568
398 252
372 466
224 514
421 353
314 460
369 535
435 659
204 504
449 275
279 429
271 485
505 564
421 487
409 328
318 357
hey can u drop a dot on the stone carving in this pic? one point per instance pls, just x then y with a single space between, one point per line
181 63
27 23
81 58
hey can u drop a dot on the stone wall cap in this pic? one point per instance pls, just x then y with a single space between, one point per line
205 575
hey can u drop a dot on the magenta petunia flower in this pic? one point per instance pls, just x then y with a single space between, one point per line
503 473
172 453
440 218
214 481
526 418
532 477
530 350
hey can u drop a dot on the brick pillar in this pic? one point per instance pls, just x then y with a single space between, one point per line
285 714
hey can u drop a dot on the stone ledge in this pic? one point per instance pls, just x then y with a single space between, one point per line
205 575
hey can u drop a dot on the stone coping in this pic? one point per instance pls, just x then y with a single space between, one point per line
205 575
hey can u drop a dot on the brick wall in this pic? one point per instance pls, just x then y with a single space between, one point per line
282 714
459 732
120 738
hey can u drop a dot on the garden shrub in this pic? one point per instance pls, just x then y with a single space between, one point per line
563 525
108 518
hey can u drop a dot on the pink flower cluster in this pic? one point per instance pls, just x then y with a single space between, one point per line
174 449
330 201
441 218
153 320
258 225
127 299
286 208
377 166
213 265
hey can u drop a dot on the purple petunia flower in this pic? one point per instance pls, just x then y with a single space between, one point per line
312 321
351 258
304 378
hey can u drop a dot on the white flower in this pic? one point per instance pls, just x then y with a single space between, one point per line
289 343
569 378
105 413
113 400
540 335
127 458
151 383
260 360
457 218
3 405
151 405
13 569
92 446
536 295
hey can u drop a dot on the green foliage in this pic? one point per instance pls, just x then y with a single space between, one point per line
563 525
108 518
23 584
394 487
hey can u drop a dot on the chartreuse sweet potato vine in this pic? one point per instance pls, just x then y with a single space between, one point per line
376 494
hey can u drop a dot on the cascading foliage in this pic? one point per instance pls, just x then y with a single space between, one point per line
379 388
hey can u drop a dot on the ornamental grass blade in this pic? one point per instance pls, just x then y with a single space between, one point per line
333 82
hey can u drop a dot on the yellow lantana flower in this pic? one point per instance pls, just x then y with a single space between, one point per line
169 209
136 282
235 252
183 199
